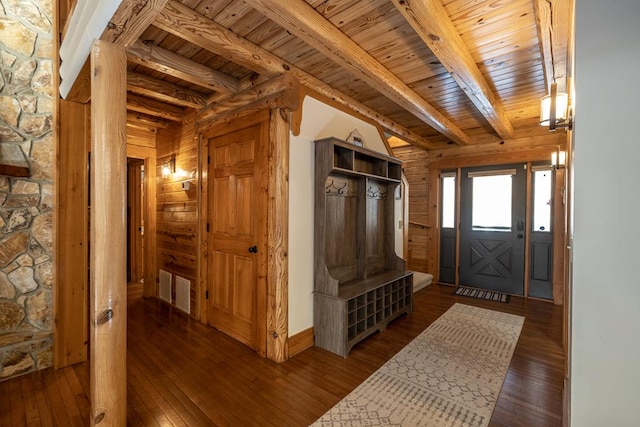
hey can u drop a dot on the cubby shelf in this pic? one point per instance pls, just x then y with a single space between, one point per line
360 283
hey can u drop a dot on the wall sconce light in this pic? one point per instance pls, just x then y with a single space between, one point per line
169 167
555 111
558 159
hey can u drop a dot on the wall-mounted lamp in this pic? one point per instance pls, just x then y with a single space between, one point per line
558 159
555 111
169 167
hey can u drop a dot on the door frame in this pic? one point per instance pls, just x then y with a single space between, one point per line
272 334
518 174
148 154
528 156
135 220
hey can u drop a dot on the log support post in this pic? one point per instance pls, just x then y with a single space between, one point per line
278 214
108 315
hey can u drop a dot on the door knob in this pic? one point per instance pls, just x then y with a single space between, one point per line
520 236
253 249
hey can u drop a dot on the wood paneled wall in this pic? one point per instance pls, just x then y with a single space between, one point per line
72 290
415 166
177 209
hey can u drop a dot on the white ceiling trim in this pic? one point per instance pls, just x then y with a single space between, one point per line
88 22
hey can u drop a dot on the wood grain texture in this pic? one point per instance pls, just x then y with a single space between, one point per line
169 383
130 19
151 123
278 237
432 24
189 25
300 342
238 221
70 345
360 284
176 209
311 27
553 23
108 235
154 108
142 84
172 64
279 92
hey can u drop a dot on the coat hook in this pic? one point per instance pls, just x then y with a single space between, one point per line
340 190
328 187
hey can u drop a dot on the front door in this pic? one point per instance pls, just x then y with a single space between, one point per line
236 245
492 228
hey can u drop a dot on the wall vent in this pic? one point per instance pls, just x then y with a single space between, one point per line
183 294
164 290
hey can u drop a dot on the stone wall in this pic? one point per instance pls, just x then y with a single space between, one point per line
26 224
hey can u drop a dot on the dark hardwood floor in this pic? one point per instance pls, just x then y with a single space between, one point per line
183 373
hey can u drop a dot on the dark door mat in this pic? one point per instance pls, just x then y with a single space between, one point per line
482 294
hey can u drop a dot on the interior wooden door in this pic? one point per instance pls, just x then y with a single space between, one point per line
236 234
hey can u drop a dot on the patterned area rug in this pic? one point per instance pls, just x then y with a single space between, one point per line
481 294
450 375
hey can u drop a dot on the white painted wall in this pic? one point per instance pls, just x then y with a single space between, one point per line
605 377
318 121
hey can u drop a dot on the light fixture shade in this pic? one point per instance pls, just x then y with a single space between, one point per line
169 168
562 101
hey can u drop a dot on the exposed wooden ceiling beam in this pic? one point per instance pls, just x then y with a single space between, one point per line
553 25
285 89
130 21
167 62
142 84
146 120
154 108
430 21
306 23
189 25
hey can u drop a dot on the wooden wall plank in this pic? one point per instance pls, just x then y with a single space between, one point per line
176 230
108 235
70 345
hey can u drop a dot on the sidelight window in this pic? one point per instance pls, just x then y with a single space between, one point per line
542 188
448 200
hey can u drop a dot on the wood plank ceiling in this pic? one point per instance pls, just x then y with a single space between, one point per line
433 72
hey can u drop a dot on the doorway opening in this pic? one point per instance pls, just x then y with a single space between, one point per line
135 220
